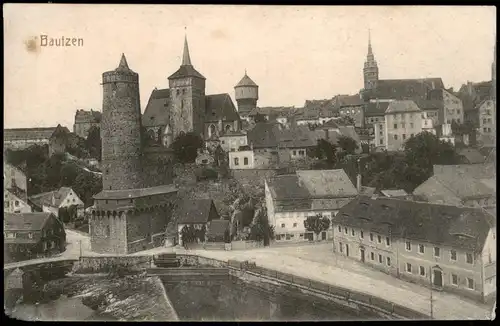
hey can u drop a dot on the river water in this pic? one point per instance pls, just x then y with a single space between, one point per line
235 301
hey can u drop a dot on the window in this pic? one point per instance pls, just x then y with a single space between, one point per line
437 252
421 249
371 236
469 258
345 230
380 260
408 245
381 142
404 136
372 256
361 235
294 225
236 161
379 239
340 229
408 267
395 137
245 161
454 279
30 235
301 153
282 225
353 233
470 283
294 153
341 247
395 126
453 255
388 261
422 270
17 203
387 241
381 127
45 246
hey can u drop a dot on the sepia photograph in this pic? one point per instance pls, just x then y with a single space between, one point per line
249 162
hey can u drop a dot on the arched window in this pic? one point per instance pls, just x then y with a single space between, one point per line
151 134
228 128
212 130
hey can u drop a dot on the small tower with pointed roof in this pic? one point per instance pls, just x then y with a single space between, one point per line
370 69
246 94
187 97
121 129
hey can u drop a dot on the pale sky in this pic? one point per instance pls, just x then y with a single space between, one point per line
292 53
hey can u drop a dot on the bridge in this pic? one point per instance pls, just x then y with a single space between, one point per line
32 264
178 274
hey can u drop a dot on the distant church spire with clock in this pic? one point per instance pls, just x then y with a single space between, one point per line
370 69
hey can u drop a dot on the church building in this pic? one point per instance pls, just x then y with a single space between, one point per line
184 107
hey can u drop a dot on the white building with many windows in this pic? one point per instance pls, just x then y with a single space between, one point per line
290 199
452 248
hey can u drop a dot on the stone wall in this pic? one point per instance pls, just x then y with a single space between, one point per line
157 166
105 264
244 245
272 280
190 260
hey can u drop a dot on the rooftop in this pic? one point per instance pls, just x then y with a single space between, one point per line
464 228
136 193
25 221
402 107
194 211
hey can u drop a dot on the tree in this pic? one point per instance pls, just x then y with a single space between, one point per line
347 144
186 147
324 150
317 224
424 151
93 143
259 118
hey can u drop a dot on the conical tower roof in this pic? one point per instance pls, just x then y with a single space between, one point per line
186 69
246 81
186 59
123 66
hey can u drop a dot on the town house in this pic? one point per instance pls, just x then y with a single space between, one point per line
196 213
32 235
471 185
450 248
290 199
52 201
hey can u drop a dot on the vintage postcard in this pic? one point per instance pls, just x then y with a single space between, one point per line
249 163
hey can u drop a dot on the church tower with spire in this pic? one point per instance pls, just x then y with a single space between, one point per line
370 70
187 97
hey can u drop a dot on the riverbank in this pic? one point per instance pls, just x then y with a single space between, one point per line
99 297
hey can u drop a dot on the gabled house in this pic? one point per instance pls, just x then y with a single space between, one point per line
52 201
194 213
452 248
290 199
32 235
15 201
460 185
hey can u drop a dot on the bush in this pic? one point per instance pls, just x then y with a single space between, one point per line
206 174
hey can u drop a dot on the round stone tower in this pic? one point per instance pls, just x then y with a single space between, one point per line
246 94
121 129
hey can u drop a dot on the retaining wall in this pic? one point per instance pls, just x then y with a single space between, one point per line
245 245
103 264
346 297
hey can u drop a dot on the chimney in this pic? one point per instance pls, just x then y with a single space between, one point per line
358 182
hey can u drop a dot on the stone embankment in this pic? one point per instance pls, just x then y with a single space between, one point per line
131 298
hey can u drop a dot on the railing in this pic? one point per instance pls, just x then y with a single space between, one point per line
338 292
